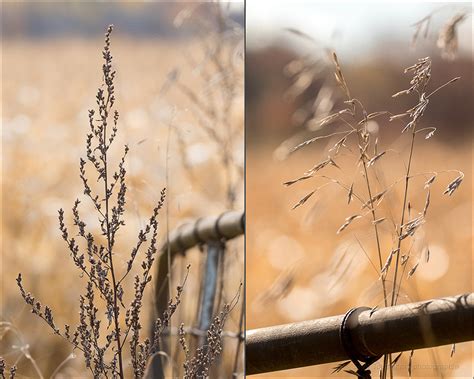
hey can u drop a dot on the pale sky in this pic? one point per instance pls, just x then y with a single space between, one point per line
346 25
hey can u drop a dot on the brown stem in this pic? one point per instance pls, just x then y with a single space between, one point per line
387 359
402 219
239 342
374 218
109 251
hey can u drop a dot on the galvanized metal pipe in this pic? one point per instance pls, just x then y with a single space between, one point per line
209 286
387 330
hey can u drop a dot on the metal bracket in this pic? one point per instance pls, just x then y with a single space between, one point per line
200 241
350 323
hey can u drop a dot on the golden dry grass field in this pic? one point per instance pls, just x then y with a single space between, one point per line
47 88
298 268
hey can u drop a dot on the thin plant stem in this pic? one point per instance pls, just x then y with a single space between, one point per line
374 216
62 364
167 210
28 356
402 218
239 342
109 251
377 237
379 253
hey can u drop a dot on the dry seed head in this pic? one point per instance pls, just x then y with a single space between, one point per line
303 200
371 202
310 173
404 259
337 146
412 271
421 76
348 222
430 134
427 203
411 226
340 77
375 158
300 34
339 367
430 181
387 264
350 193
448 37
398 116
454 185
453 350
311 140
378 221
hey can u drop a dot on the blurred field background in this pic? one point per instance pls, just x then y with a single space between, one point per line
298 268
51 69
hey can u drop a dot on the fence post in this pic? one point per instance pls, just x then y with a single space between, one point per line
214 250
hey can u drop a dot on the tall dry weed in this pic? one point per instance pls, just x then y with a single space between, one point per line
354 163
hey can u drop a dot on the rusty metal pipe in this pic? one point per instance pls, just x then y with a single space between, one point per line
226 226
387 330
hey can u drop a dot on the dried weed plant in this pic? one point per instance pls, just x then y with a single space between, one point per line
315 113
198 365
103 340
212 103
447 40
20 348
6 372
350 127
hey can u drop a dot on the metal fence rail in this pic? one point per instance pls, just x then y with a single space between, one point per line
211 233
366 333
226 226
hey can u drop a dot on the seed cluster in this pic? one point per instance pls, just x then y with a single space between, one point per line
103 345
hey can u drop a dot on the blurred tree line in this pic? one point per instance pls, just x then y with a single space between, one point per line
63 19
373 80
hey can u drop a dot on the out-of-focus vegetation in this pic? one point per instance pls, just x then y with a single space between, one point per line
270 114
